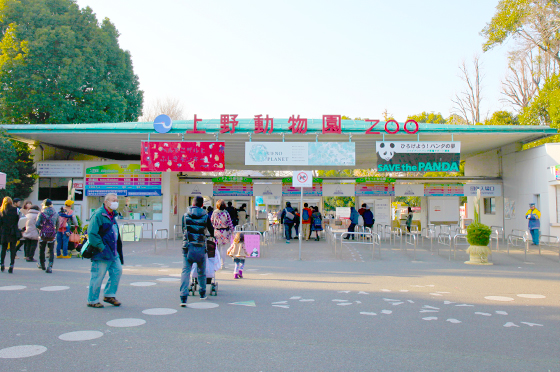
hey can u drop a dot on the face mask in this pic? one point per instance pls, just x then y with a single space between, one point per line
114 206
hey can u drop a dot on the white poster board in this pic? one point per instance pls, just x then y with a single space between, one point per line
343 213
409 189
382 212
443 209
268 190
330 189
194 189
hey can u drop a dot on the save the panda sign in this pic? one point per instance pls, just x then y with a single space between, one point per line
410 156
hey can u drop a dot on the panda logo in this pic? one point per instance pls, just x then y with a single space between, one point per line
386 151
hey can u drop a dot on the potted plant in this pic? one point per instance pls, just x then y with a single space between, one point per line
478 236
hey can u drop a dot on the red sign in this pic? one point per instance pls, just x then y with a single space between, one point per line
260 126
332 124
182 156
226 121
297 125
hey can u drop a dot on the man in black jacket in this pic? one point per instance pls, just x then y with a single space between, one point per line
195 222
232 213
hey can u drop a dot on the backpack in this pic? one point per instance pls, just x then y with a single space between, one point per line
317 221
305 215
48 230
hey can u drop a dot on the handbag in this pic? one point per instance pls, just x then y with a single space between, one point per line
74 237
289 215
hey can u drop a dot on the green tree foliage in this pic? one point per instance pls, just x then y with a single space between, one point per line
331 202
16 161
411 201
534 23
59 65
427 117
502 118
544 109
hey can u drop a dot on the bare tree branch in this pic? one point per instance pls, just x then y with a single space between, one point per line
172 107
467 102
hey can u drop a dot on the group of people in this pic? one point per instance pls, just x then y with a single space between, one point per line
197 224
361 217
29 226
310 219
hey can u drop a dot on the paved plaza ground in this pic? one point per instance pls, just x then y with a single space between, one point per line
325 313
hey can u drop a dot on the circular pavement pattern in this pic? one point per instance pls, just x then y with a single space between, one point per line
168 279
531 296
55 288
22 351
498 298
12 287
202 305
142 284
159 311
80 336
126 322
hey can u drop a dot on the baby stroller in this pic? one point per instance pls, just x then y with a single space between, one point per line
212 264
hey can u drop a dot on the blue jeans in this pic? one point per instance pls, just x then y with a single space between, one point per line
288 230
98 270
535 236
186 274
239 265
62 242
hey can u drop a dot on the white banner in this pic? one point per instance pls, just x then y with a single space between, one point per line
409 190
300 153
339 189
194 189
485 190
60 169
267 190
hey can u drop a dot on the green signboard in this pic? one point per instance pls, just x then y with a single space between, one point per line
375 179
232 179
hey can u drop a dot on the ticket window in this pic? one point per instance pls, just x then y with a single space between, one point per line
133 207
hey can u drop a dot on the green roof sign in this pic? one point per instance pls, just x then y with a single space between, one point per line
232 179
375 179
289 180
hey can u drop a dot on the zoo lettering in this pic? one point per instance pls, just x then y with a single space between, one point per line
422 167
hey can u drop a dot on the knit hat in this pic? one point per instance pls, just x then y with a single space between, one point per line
47 202
69 203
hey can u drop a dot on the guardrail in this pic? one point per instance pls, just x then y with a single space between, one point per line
396 232
125 229
374 238
156 238
456 238
411 238
150 229
497 233
177 229
553 241
429 233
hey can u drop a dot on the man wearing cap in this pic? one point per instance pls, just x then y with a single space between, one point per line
68 222
534 217
105 239
48 218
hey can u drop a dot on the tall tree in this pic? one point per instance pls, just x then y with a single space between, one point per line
172 107
533 23
502 118
59 65
467 102
17 163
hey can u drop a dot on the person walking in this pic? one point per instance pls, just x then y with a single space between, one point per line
47 224
369 220
354 219
22 220
9 218
31 234
363 209
195 223
409 219
104 237
297 221
223 228
238 252
306 221
317 222
534 217
232 214
287 218
67 223
242 215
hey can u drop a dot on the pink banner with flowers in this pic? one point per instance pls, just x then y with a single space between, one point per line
182 156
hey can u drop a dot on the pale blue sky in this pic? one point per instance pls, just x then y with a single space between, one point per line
354 58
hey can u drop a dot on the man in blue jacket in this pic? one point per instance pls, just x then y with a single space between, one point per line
534 217
287 218
104 237
195 222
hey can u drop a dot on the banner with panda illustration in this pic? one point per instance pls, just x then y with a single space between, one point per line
410 156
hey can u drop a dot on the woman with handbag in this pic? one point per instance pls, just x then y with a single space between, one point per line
68 225
223 228
9 218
